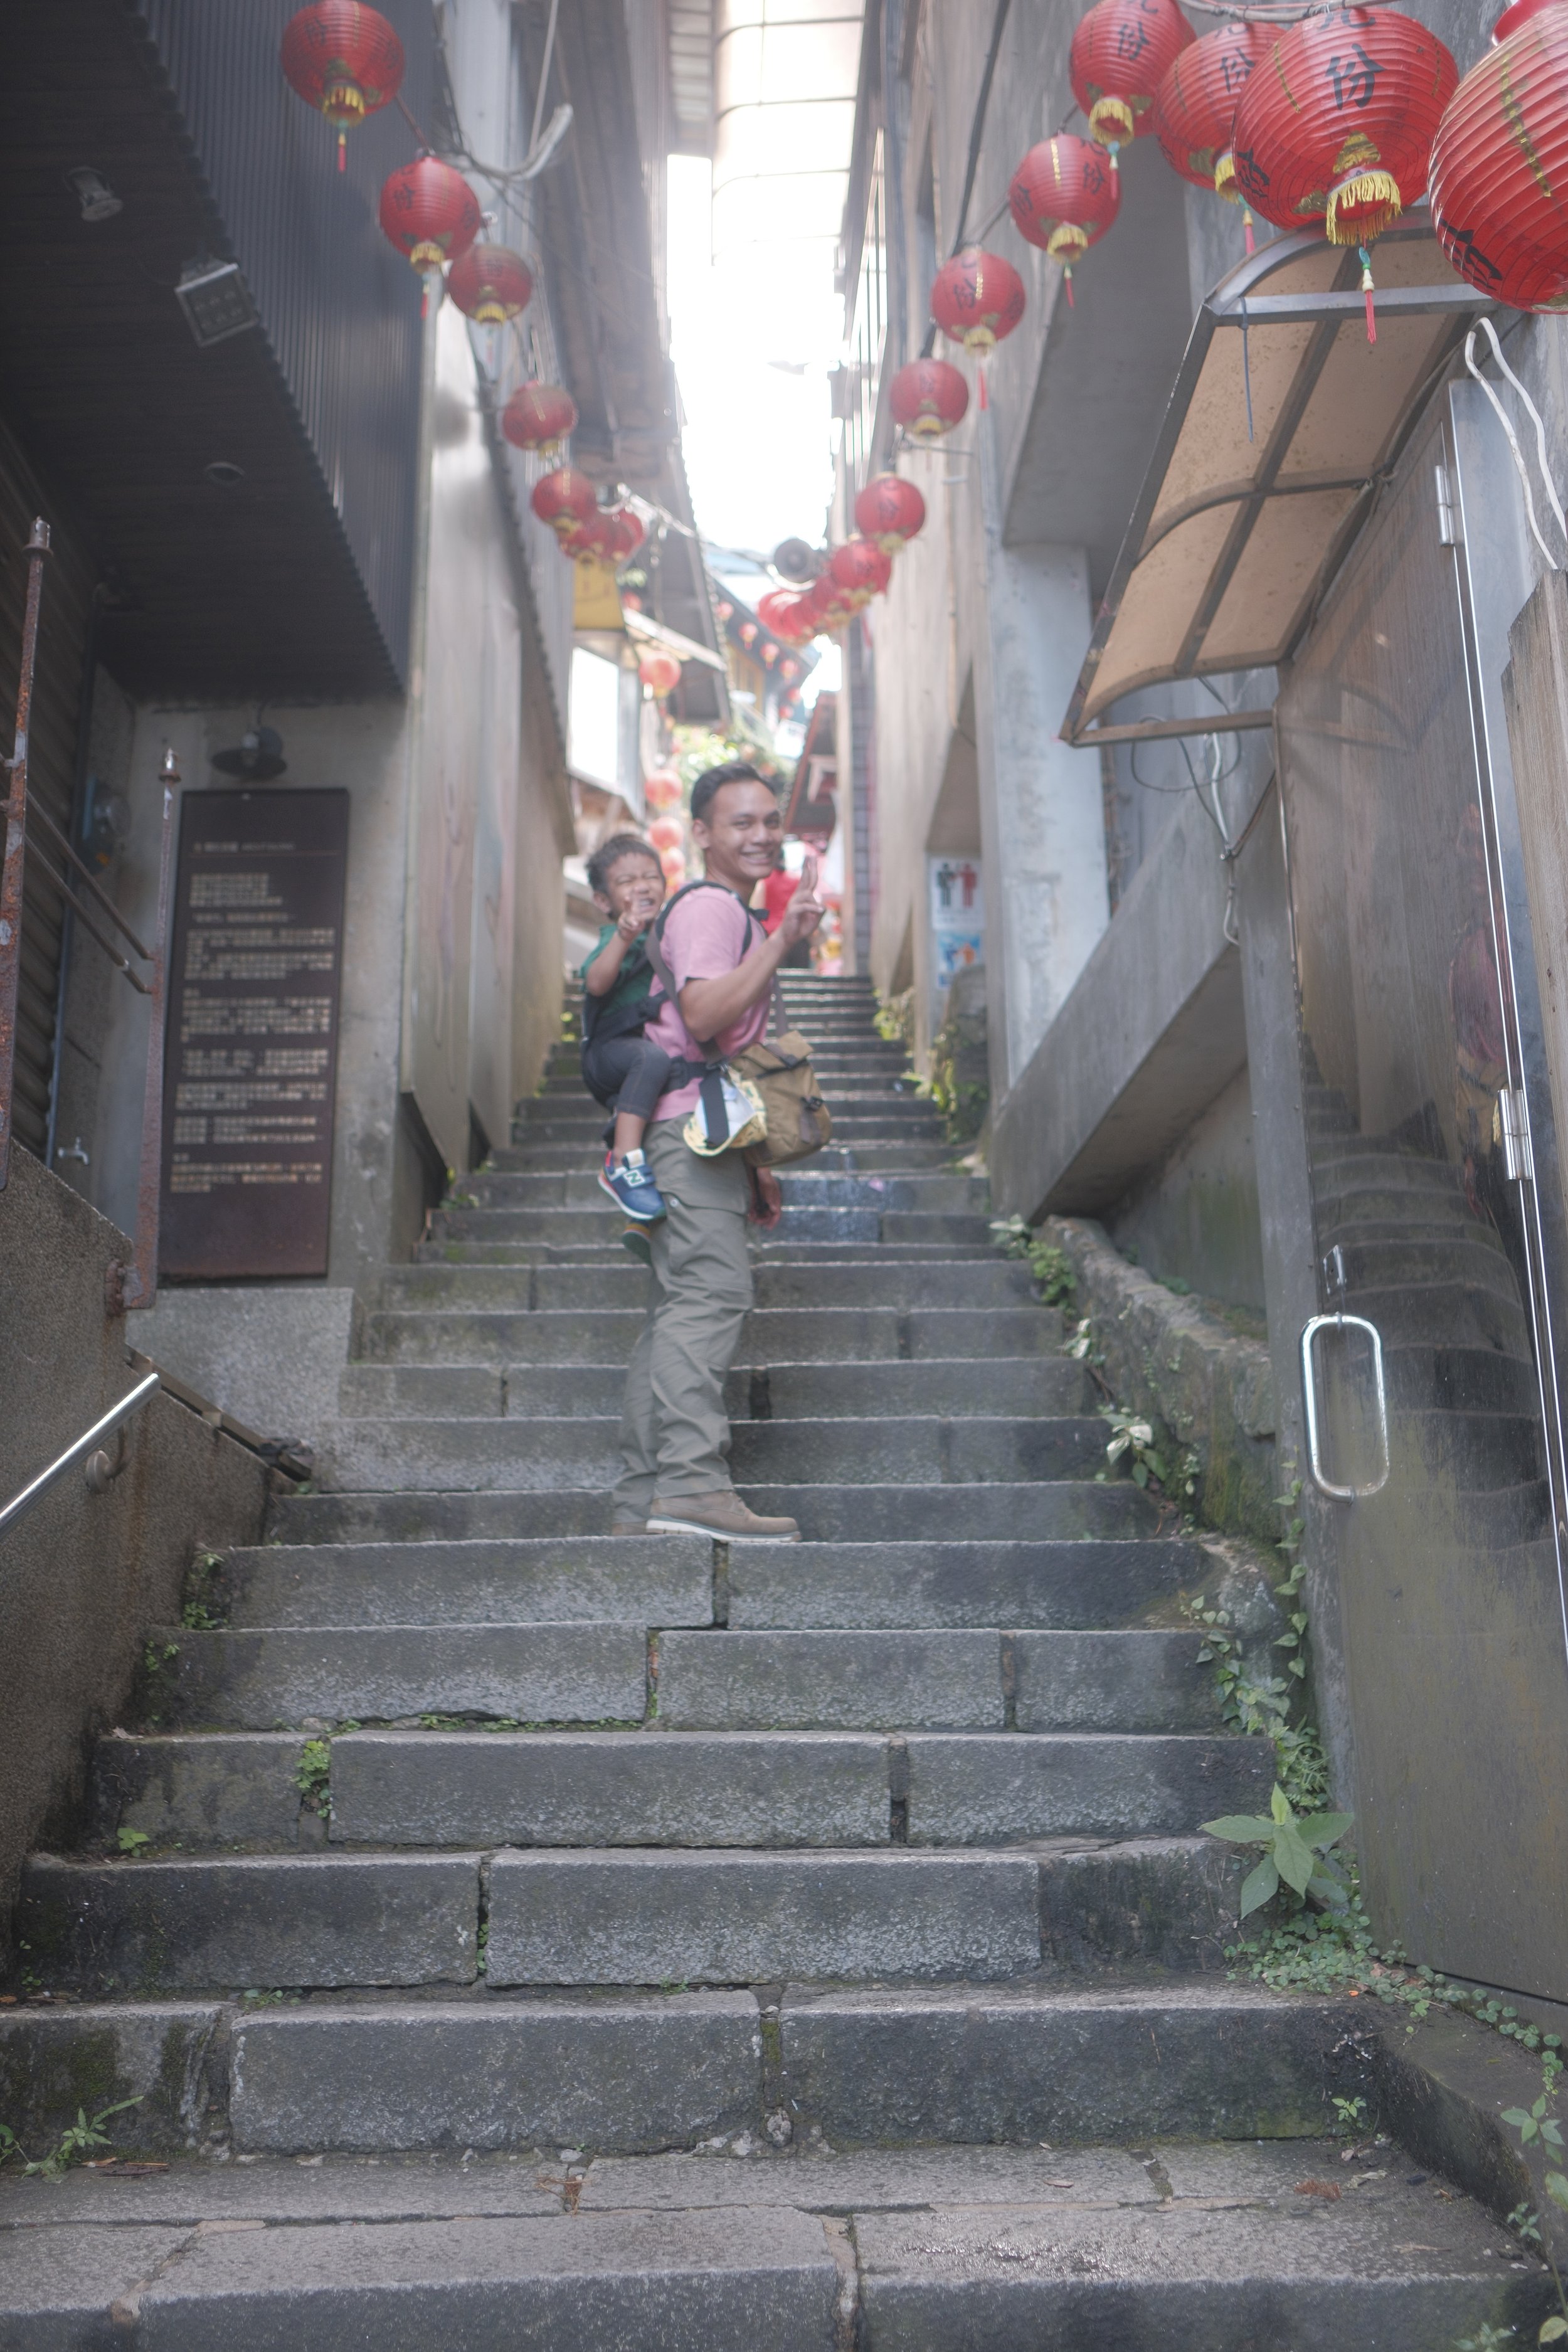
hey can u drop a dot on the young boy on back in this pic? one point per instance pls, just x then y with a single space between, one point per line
621 1066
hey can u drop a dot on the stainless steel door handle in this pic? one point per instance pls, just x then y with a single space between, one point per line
1310 1398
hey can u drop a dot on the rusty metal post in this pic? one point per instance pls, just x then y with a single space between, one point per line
17 839
136 1285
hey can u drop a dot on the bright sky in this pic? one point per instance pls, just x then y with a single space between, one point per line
757 446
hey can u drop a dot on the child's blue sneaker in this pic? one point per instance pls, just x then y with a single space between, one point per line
630 1185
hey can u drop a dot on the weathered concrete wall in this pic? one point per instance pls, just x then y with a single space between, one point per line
1152 1031
1168 1356
84 1577
1196 1220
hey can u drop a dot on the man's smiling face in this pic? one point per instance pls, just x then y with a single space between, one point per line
741 835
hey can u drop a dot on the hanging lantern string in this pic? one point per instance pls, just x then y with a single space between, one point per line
1366 288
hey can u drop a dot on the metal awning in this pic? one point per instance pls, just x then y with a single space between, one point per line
1234 535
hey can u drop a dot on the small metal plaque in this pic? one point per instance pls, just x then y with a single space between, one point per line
254 978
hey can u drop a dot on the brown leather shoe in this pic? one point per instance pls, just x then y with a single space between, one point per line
724 1516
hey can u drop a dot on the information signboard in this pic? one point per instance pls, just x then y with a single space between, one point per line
251 1068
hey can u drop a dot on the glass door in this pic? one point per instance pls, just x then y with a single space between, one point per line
1429 1372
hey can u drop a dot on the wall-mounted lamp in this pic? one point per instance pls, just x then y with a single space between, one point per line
97 198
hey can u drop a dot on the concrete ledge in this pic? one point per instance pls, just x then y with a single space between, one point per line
1152 1030
1168 1356
1443 2088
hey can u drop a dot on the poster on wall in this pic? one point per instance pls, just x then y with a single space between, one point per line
251 1066
957 919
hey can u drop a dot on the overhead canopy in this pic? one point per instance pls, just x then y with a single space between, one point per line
1236 532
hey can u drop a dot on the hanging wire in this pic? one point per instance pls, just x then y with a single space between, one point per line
1523 469
1218 770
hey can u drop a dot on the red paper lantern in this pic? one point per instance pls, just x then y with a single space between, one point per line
1197 103
538 416
1500 166
859 571
977 298
429 211
890 511
1121 52
661 788
1064 195
667 833
674 867
659 670
490 284
1337 125
566 500
927 398
628 533
344 59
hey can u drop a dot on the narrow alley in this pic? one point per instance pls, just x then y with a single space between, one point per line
784 1495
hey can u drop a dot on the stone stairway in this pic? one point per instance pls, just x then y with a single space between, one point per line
513 1936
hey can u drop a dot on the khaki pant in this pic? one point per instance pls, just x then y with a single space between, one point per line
674 1434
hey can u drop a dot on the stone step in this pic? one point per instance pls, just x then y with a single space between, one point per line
1075 1584
829 1188
265 1920
264 1678
1018 1384
989 1281
240 1791
1004 2064
468 1335
559 1228
976 1679
868 1159
610 1252
698 2282
853 1122
554 1579
1463 1315
922 1449
848 1515
1072 1585
576 1915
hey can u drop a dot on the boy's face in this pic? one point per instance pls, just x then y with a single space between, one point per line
634 885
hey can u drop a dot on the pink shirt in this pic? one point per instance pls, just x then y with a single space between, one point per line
706 935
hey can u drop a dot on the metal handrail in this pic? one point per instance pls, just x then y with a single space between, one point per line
134 1399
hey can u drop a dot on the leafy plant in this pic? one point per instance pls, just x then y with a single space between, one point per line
1349 2114
313 1776
1488 2338
1152 1456
1050 1266
133 1841
1294 1851
154 1659
74 2144
199 1613
1536 2128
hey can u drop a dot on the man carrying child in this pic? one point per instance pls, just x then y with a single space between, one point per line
675 1436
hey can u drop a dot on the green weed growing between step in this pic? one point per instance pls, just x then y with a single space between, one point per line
1536 2128
313 1776
74 2145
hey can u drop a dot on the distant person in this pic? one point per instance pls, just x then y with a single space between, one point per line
622 1066
675 1436
778 891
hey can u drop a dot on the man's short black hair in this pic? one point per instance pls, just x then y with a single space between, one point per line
610 853
714 781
